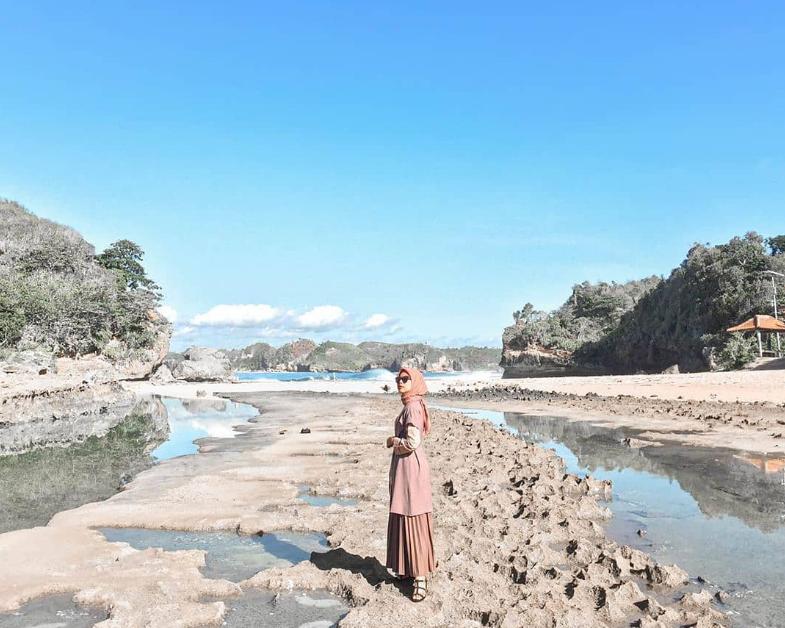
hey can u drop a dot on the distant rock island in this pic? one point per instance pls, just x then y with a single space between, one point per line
306 355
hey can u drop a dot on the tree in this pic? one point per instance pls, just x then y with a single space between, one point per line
777 245
524 314
125 257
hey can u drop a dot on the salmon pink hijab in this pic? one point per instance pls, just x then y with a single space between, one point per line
416 394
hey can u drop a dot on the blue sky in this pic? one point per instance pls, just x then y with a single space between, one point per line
434 164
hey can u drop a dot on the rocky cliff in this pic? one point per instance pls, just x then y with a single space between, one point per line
72 324
675 323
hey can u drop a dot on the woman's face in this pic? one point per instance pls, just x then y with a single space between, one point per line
404 382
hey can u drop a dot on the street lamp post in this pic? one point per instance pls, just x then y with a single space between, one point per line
776 316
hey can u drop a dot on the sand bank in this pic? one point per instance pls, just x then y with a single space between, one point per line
745 386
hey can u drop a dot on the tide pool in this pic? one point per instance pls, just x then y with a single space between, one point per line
191 419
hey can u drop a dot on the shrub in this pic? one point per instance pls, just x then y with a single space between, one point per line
737 352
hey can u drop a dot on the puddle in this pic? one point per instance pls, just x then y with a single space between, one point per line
718 513
192 419
37 484
53 611
229 555
267 609
322 500
257 608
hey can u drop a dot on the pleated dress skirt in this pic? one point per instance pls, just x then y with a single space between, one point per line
410 544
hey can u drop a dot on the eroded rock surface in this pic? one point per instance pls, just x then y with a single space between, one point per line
519 541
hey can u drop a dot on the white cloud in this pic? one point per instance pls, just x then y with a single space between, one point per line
168 312
250 315
322 317
374 321
239 325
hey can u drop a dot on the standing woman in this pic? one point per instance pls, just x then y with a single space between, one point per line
410 526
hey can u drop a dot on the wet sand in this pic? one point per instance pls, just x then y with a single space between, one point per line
519 542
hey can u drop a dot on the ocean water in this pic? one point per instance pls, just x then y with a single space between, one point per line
381 375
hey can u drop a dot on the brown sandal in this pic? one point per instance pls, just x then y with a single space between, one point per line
420 589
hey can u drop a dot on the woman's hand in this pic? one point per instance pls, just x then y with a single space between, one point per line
390 441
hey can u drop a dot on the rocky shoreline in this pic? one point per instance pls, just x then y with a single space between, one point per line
61 416
757 425
519 541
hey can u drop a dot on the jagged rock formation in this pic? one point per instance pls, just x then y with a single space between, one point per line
261 356
306 355
58 296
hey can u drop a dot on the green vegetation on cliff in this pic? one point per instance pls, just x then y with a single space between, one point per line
654 323
306 355
57 294
683 319
592 311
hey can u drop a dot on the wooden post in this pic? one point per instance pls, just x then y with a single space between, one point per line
760 344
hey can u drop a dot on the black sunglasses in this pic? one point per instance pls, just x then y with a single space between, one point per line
402 379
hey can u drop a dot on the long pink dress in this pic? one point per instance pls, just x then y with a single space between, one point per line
410 526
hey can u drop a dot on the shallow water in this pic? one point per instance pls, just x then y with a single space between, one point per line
257 608
229 555
267 609
382 375
718 513
319 501
53 611
36 485
192 419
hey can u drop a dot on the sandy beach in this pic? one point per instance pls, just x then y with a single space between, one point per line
519 542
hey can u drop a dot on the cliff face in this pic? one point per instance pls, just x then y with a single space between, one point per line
305 355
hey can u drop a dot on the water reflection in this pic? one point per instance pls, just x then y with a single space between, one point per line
192 419
229 555
719 513
721 481
36 485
